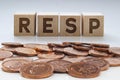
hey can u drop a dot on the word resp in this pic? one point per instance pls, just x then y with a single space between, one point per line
51 24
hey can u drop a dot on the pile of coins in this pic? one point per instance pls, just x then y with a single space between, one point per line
77 59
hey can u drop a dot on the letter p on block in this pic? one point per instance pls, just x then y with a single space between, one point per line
93 24
24 24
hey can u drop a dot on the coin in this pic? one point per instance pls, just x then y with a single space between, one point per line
25 51
51 55
12 44
60 66
72 51
14 65
101 63
5 54
83 70
36 70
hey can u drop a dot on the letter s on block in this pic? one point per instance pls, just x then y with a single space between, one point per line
71 25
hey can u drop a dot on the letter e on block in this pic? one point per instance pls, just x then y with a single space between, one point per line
70 24
92 24
47 24
24 24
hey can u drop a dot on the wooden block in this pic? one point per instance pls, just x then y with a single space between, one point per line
93 24
70 24
47 24
24 24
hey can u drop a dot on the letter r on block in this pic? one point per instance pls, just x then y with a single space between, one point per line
24 24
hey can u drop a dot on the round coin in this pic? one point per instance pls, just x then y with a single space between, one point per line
72 51
13 65
51 55
6 48
73 59
36 70
5 54
38 47
60 66
113 61
83 70
101 63
12 44
98 53
25 51
115 50
43 60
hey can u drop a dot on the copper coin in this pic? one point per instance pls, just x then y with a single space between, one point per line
43 60
77 44
100 45
25 51
101 63
36 70
72 43
31 45
73 59
18 57
12 44
72 51
60 66
83 70
81 48
7 48
58 49
113 61
13 65
5 54
51 55
57 45
101 49
38 47
98 53
115 50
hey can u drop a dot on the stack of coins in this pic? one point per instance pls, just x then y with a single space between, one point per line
77 59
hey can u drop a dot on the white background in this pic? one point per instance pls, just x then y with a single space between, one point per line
109 8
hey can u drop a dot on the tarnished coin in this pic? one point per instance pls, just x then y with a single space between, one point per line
60 66
36 70
83 70
101 63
